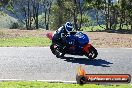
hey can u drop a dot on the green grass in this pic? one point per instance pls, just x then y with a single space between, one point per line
24 42
95 28
56 85
124 27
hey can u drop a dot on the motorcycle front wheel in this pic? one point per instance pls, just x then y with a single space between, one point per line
92 53
52 49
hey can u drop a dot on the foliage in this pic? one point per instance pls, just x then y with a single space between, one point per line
27 11
15 25
61 12
41 21
10 7
57 12
86 20
8 21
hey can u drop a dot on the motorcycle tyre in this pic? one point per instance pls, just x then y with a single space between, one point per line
92 51
52 49
58 53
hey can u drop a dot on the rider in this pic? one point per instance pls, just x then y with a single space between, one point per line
62 31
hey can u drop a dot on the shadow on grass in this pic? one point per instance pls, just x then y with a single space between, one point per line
86 61
120 31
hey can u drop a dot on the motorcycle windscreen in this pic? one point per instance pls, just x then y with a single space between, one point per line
82 38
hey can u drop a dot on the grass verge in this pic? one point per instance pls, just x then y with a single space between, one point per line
102 28
24 42
56 85
93 28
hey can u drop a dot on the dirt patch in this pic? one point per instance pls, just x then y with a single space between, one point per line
14 33
107 40
97 39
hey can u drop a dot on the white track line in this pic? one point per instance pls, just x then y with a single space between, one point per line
50 81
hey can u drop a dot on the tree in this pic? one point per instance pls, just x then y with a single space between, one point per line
129 11
46 4
61 12
29 10
4 2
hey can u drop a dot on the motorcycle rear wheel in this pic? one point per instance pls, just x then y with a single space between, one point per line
58 53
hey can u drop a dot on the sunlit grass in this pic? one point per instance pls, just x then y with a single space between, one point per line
56 85
103 27
24 42
93 28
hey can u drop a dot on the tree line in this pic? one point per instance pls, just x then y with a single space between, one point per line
57 12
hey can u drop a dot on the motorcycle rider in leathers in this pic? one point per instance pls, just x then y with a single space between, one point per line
59 34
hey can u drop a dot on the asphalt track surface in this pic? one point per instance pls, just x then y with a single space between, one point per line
38 63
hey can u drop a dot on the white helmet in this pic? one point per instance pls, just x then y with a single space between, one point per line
68 26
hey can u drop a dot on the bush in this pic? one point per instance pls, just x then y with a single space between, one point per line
8 22
41 21
14 26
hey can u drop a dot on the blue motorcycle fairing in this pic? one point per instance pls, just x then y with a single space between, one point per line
82 38
79 39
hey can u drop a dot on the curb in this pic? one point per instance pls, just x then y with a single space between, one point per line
50 81
58 81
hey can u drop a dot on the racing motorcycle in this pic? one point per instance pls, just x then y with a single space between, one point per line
74 43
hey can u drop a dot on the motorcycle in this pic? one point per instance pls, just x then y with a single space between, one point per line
75 43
